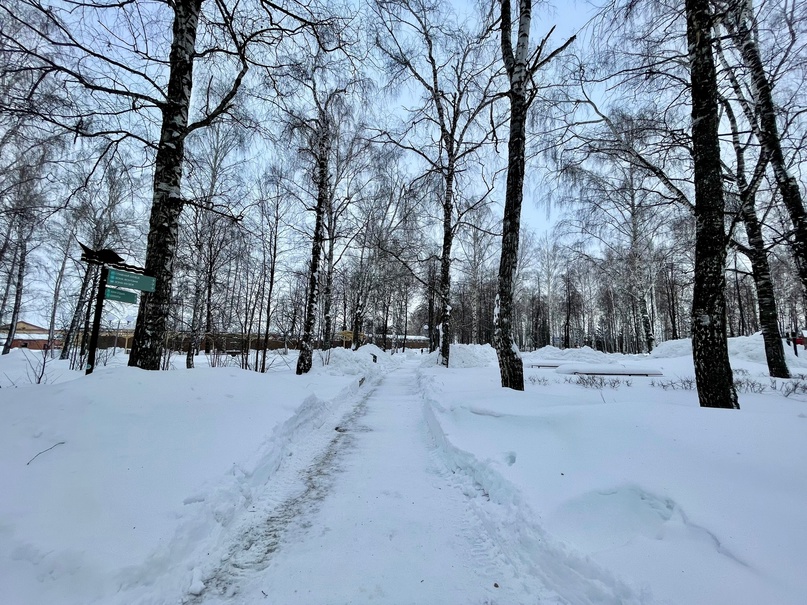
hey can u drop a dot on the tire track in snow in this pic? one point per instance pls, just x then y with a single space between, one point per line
485 548
481 543
558 574
378 521
286 517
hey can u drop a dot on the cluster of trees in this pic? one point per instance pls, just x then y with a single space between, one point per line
297 170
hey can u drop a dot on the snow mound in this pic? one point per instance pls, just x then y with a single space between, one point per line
368 360
752 348
673 348
472 356
621 514
22 368
151 469
586 354
340 361
569 576
464 356
373 350
429 359
630 478
745 348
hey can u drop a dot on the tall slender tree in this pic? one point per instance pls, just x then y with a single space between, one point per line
521 63
114 84
713 373
739 22
452 68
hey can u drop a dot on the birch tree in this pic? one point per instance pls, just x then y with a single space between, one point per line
453 74
522 64
25 209
115 83
317 132
739 21
756 251
713 373
213 186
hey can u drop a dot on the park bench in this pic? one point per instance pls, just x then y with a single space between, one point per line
582 369
547 364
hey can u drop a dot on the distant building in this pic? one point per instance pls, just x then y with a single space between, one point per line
29 336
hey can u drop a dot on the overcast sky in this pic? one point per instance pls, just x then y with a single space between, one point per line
568 17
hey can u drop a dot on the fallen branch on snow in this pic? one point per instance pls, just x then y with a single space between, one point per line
43 451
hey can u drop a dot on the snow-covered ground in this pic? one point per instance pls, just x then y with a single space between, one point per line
402 482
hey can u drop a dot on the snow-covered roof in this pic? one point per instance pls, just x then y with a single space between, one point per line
24 336
24 326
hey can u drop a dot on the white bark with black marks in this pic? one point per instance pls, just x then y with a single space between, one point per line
454 74
713 373
322 181
740 26
757 252
520 66
149 336
18 289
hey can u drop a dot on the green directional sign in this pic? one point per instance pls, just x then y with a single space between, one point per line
120 295
133 281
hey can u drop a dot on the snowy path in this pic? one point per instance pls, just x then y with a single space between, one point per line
379 521
220 486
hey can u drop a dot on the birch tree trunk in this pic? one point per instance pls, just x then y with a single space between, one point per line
434 334
57 289
647 324
520 66
327 291
18 287
6 241
210 277
476 304
445 267
270 293
75 322
305 360
9 279
740 26
77 362
149 336
760 268
360 298
713 373
766 300
670 287
196 320
356 323
511 367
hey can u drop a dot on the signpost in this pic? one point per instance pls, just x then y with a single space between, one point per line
120 295
133 281
112 274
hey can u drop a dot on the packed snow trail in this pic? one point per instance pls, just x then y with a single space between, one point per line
379 522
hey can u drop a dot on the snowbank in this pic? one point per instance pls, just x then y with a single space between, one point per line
638 490
741 348
751 348
472 356
464 356
608 369
22 368
341 361
116 481
586 354
673 348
